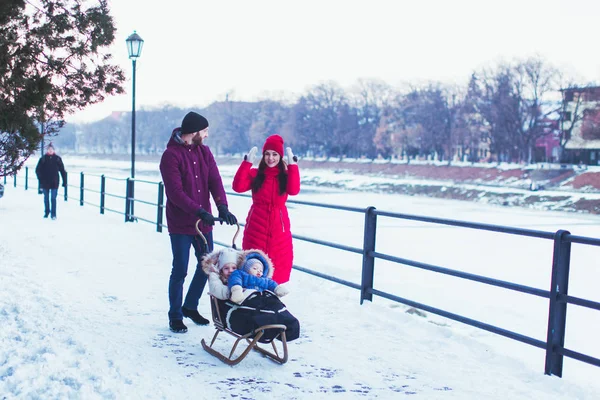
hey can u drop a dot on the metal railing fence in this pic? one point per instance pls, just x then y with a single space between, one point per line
557 295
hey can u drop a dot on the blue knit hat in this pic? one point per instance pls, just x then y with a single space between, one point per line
253 258
252 262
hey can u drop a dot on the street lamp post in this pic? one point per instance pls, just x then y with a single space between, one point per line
134 48
40 191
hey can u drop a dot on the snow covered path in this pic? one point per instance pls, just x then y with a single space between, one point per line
83 315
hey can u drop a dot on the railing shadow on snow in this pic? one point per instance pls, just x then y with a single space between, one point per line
557 296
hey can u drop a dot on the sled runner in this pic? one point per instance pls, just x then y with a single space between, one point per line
261 318
220 310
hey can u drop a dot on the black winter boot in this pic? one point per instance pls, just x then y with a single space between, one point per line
195 316
177 326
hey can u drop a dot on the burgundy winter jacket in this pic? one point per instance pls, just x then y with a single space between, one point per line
189 173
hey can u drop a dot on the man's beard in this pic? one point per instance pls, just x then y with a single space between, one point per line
197 140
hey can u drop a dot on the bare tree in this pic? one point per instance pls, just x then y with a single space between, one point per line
384 134
322 105
428 110
536 81
469 126
269 119
499 107
370 98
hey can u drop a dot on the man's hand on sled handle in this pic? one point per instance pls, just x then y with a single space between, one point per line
226 215
281 290
291 158
251 156
237 294
206 217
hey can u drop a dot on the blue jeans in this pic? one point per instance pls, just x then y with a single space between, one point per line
50 202
180 245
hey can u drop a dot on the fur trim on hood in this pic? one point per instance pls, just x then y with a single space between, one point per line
176 135
264 258
210 262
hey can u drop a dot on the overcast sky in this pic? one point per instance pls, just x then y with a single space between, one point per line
195 52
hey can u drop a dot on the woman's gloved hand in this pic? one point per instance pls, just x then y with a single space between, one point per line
291 158
251 156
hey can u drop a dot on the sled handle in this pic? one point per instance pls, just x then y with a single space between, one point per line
218 220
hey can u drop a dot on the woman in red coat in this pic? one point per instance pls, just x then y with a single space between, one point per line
268 224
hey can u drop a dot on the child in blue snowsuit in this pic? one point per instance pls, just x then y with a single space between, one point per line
254 275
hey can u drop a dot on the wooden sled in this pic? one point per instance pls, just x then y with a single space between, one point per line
251 338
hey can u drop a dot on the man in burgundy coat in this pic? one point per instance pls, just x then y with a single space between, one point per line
190 176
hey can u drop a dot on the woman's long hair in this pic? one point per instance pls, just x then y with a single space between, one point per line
282 177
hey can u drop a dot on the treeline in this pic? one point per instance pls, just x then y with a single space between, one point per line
498 115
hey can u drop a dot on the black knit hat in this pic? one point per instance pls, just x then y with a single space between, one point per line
193 122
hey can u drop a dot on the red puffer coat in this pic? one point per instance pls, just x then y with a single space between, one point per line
268 224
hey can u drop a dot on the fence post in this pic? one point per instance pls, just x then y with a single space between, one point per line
132 197
159 206
127 202
81 188
15 176
5 179
557 316
102 191
26 177
368 267
66 186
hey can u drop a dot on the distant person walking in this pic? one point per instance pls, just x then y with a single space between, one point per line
268 223
47 170
190 176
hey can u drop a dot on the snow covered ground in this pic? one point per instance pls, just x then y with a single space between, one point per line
83 306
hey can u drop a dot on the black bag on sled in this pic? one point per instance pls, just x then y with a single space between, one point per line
257 310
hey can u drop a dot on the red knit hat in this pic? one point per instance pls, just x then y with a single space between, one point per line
275 143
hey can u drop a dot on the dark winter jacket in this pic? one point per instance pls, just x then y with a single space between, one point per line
190 174
47 171
247 281
268 224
